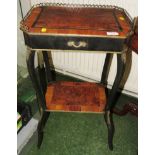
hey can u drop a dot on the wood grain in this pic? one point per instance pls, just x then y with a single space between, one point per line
84 21
75 96
134 39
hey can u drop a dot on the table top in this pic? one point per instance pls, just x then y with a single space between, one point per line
89 21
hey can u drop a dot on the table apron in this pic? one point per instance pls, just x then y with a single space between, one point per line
75 43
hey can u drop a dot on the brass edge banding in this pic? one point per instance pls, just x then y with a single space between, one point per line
77 5
76 35
37 49
73 5
25 28
75 111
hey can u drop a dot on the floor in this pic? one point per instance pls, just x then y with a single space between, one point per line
79 133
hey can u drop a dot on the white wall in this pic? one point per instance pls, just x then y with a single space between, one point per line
63 58
21 48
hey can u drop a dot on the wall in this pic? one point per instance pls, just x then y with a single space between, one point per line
84 64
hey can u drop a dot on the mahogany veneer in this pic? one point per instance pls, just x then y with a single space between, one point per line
134 43
75 96
134 39
83 21
76 28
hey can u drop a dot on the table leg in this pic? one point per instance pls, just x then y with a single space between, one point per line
39 94
33 76
50 74
111 99
41 72
47 66
51 66
41 125
106 68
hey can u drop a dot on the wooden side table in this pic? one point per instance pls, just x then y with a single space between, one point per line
74 27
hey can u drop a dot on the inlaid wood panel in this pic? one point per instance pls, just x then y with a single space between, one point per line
75 96
81 21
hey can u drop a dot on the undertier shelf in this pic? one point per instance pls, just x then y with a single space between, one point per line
75 97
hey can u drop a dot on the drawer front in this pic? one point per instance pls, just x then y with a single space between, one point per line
74 43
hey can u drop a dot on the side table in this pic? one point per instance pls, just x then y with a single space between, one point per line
65 27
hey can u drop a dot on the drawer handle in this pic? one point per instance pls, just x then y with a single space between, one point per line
77 44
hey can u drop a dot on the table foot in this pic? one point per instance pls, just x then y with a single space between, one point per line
41 126
110 126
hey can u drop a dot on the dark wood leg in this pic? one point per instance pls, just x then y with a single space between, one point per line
42 78
50 72
42 72
41 125
39 94
106 68
111 98
33 76
110 125
52 66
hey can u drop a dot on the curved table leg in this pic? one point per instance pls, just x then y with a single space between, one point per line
106 68
39 94
41 125
110 126
41 72
33 76
47 66
111 98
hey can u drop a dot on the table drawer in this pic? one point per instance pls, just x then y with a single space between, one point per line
74 43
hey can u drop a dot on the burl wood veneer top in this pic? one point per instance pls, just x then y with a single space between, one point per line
75 96
77 21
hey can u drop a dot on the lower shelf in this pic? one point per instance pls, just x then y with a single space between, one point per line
75 96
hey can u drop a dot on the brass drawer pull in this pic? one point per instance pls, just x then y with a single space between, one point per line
77 44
